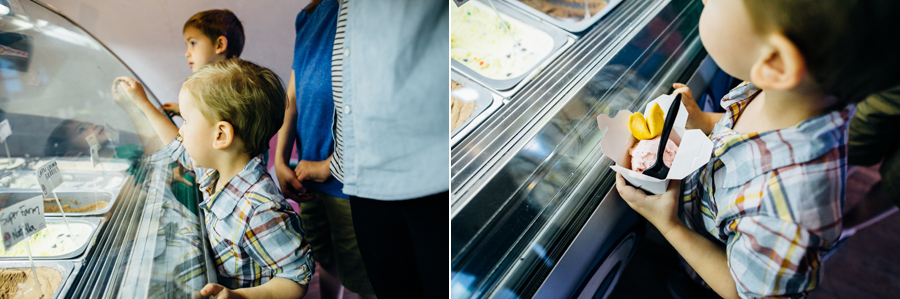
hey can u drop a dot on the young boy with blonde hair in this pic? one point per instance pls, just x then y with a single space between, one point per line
758 217
230 110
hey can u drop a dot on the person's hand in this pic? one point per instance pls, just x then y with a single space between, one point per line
696 118
218 291
171 109
133 89
287 179
318 171
661 210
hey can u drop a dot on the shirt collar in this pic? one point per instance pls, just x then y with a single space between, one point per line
224 202
757 153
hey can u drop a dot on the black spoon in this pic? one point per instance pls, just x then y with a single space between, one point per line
659 169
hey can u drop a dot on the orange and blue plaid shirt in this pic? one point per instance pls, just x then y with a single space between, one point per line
774 198
254 234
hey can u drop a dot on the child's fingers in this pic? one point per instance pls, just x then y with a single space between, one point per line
627 192
211 289
126 80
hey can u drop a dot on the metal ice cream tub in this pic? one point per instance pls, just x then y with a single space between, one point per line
89 226
77 180
84 164
66 272
571 24
559 38
486 103
88 201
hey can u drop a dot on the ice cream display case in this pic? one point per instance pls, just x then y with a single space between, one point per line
534 211
125 222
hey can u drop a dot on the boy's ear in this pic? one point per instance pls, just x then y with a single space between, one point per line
781 65
224 135
221 44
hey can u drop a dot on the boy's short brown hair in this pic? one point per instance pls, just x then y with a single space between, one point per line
220 22
850 46
249 97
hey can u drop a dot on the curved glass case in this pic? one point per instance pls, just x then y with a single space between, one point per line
57 102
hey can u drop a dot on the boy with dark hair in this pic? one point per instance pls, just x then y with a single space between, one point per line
210 36
758 217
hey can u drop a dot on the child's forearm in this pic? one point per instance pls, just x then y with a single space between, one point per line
148 135
276 288
705 257
164 127
710 120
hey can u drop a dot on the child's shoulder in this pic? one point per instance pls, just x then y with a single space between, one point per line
263 194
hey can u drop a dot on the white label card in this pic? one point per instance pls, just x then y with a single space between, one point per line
5 130
95 155
49 177
92 140
22 220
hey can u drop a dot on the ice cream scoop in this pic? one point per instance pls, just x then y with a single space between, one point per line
643 154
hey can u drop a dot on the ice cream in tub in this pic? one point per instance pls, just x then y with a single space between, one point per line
54 242
693 147
17 279
74 203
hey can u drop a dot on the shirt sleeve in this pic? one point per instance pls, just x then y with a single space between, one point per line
772 258
176 150
275 241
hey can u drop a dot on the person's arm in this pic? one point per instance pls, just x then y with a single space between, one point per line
276 244
697 119
141 112
289 183
149 139
165 129
276 288
706 257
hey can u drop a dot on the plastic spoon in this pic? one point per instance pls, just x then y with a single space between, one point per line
659 169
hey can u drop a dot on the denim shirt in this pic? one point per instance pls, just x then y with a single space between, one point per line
395 121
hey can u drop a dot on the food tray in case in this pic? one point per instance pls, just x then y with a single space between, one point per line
486 104
568 24
67 272
75 199
96 223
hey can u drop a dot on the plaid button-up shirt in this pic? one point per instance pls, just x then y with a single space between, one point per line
254 234
774 198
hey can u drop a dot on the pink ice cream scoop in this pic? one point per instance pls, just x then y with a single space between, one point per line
643 154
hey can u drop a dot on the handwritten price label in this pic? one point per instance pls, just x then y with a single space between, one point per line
22 220
5 130
95 155
49 177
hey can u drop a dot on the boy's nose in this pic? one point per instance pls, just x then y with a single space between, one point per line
187 54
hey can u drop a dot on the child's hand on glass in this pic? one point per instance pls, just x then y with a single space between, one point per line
661 210
132 89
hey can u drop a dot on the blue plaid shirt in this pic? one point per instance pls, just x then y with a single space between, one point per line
774 199
254 234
